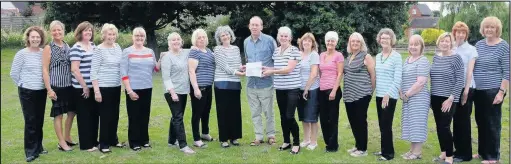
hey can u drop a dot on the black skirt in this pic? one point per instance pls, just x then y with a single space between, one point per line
64 102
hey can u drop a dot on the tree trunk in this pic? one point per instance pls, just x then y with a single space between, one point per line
151 42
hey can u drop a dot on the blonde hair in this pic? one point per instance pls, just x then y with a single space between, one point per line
195 36
462 27
308 36
139 30
419 40
363 46
39 30
444 35
173 35
491 21
106 27
388 32
57 23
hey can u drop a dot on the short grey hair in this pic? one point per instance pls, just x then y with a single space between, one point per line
223 29
363 46
285 30
331 35
390 33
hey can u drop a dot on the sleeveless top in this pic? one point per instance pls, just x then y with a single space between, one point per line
60 65
357 82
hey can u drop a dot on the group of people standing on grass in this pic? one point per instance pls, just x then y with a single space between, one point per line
85 80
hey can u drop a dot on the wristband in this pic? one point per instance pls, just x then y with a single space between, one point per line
503 91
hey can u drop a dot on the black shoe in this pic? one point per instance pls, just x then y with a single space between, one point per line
136 148
62 149
31 158
71 144
457 160
235 142
331 150
293 152
107 150
285 148
43 152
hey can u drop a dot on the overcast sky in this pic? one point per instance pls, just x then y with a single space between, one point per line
432 5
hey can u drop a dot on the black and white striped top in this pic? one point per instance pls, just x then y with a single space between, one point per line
228 60
492 65
447 76
106 66
357 82
27 69
77 53
60 65
292 80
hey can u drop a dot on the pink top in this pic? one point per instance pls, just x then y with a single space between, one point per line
328 70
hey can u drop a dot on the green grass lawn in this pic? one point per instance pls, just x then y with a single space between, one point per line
12 136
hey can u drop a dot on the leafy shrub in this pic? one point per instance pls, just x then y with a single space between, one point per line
430 35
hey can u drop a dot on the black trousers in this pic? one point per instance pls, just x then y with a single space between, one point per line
228 110
462 128
177 127
443 123
109 116
87 118
329 118
489 125
33 103
138 117
287 100
385 118
200 111
357 116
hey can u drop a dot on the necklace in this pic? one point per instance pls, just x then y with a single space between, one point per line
381 58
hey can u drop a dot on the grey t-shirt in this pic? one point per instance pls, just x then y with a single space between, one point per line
305 69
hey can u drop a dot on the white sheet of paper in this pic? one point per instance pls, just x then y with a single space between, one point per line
254 69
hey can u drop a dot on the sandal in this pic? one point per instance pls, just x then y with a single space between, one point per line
413 156
406 154
204 145
92 149
256 142
271 141
120 145
438 159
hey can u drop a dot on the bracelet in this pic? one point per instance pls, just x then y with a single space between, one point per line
504 91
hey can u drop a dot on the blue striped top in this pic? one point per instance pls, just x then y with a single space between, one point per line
388 74
447 76
138 67
77 53
291 80
27 69
205 71
492 65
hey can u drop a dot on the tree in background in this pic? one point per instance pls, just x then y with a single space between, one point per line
430 35
345 18
128 15
472 13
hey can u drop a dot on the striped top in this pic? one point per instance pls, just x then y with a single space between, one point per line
291 80
357 82
228 61
411 71
106 65
77 53
60 65
305 70
205 71
174 72
492 65
27 69
138 67
447 76
388 74
467 53
328 70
